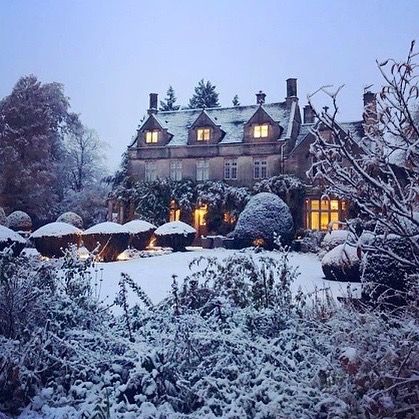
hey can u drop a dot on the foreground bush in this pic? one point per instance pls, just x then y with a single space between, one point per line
52 240
230 341
106 240
140 233
342 263
176 235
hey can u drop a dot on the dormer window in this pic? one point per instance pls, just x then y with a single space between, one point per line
261 131
152 136
203 134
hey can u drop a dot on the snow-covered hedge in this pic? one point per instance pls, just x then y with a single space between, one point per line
176 235
71 218
334 238
11 239
3 218
19 221
107 240
265 217
342 263
140 232
51 240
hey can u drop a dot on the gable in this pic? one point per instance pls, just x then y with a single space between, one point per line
152 124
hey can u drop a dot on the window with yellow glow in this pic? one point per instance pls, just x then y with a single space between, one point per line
174 212
229 218
320 214
200 216
203 134
261 131
152 137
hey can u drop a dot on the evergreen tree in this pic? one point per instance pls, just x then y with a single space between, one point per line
205 96
168 104
236 101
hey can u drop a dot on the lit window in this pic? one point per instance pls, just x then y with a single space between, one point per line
202 170
150 171
320 213
260 169
230 169
200 216
152 137
229 218
176 170
203 134
261 131
174 212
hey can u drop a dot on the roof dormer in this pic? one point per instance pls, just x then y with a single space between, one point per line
205 130
152 133
261 127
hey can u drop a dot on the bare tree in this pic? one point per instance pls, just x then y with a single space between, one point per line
380 173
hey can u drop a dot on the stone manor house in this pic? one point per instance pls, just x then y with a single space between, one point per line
239 145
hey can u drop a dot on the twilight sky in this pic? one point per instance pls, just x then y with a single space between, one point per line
110 54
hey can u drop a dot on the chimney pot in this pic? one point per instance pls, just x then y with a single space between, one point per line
153 103
260 98
308 114
291 87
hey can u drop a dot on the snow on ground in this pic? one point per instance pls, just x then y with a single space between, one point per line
154 274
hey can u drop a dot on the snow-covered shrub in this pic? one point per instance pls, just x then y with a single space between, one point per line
3 218
342 263
107 240
265 217
140 233
72 218
51 240
385 278
308 241
11 239
335 238
19 221
176 235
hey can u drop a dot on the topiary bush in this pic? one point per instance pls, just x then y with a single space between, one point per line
72 218
19 221
176 235
342 263
334 238
9 238
52 240
140 233
265 217
108 240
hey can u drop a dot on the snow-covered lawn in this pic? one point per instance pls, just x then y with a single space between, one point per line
154 274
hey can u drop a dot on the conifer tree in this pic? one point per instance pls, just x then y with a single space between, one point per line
236 101
168 104
205 96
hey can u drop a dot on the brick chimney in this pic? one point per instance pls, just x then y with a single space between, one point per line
260 98
369 115
153 103
308 115
291 88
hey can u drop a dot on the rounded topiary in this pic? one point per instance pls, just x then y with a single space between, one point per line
19 221
107 239
51 240
384 276
176 235
265 217
335 238
140 233
71 218
3 218
342 263
11 239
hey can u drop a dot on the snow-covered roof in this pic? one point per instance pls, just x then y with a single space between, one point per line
139 226
231 120
8 234
174 227
57 229
107 227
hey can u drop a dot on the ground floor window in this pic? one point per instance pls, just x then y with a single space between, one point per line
320 213
176 170
230 169
174 212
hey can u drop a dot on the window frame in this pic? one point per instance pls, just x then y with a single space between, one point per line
154 136
203 134
260 168
230 169
175 170
260 129
150 171
317 210
202 170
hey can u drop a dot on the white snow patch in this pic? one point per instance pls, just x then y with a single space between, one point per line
8 234
107 227
138 226
57 229
174 227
